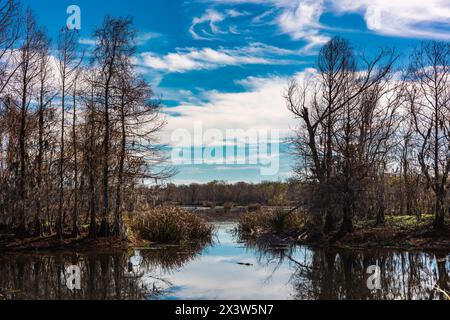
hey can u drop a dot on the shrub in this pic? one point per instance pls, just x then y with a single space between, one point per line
171 225
228 205
276 221
254 207
208 204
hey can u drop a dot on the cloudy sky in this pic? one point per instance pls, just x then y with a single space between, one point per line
224 64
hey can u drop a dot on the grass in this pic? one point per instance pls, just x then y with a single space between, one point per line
398 231
398 222
277 221
170 225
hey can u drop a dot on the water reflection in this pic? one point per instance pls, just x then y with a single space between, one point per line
104 276
331 274
226 270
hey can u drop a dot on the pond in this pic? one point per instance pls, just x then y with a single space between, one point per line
228 269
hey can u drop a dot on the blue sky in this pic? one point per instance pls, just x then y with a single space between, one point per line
224 64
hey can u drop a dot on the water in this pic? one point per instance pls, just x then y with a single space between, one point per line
226 270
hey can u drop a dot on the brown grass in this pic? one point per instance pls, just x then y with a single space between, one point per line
276 221
171 225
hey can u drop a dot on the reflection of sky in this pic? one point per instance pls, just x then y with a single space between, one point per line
216 274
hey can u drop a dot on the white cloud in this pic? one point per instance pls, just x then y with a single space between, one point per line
144 37
87 41
403 18
301 18
260 106
212 18
189 59
141 38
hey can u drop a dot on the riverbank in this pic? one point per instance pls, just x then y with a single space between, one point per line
160 226
399 232
50 243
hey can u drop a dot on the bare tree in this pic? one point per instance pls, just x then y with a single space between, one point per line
112 54
68 63
10 20
27 75
45 97
341 81
429 77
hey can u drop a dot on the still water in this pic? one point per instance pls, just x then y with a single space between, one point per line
228 269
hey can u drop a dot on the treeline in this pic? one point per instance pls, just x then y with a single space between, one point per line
290 193
219 193
366 125
78 128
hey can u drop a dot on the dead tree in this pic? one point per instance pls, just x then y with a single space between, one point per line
340 81
429 76
68 63
114 48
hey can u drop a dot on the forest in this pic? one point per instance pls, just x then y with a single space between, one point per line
78 127
373 134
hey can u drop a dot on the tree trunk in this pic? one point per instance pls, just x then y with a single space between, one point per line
38 228
59 220
118 212
75 230
330 223
439 223
104 227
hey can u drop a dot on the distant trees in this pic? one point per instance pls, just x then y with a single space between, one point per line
220 193
75 133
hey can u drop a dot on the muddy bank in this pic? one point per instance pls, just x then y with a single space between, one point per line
424 239
8 242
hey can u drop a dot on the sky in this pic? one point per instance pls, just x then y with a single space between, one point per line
221 67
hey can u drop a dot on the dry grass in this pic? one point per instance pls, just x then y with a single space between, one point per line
171 225
276 221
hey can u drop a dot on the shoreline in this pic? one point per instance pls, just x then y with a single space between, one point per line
353 241
422 239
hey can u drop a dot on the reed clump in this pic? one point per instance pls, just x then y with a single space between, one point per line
275 221
171 225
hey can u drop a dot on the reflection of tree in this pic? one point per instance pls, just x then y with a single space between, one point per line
329 274
169 258
105 276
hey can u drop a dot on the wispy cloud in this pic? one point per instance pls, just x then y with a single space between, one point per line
412 18
301 18
141 38
208 23
144 37
189 59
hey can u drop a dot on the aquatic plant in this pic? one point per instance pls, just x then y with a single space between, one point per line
171 225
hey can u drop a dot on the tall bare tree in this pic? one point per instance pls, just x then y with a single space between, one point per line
341 81
115 46
68 64
429 77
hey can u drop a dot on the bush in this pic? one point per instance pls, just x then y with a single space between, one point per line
228 205
254 207
171 225
208 204
276 221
